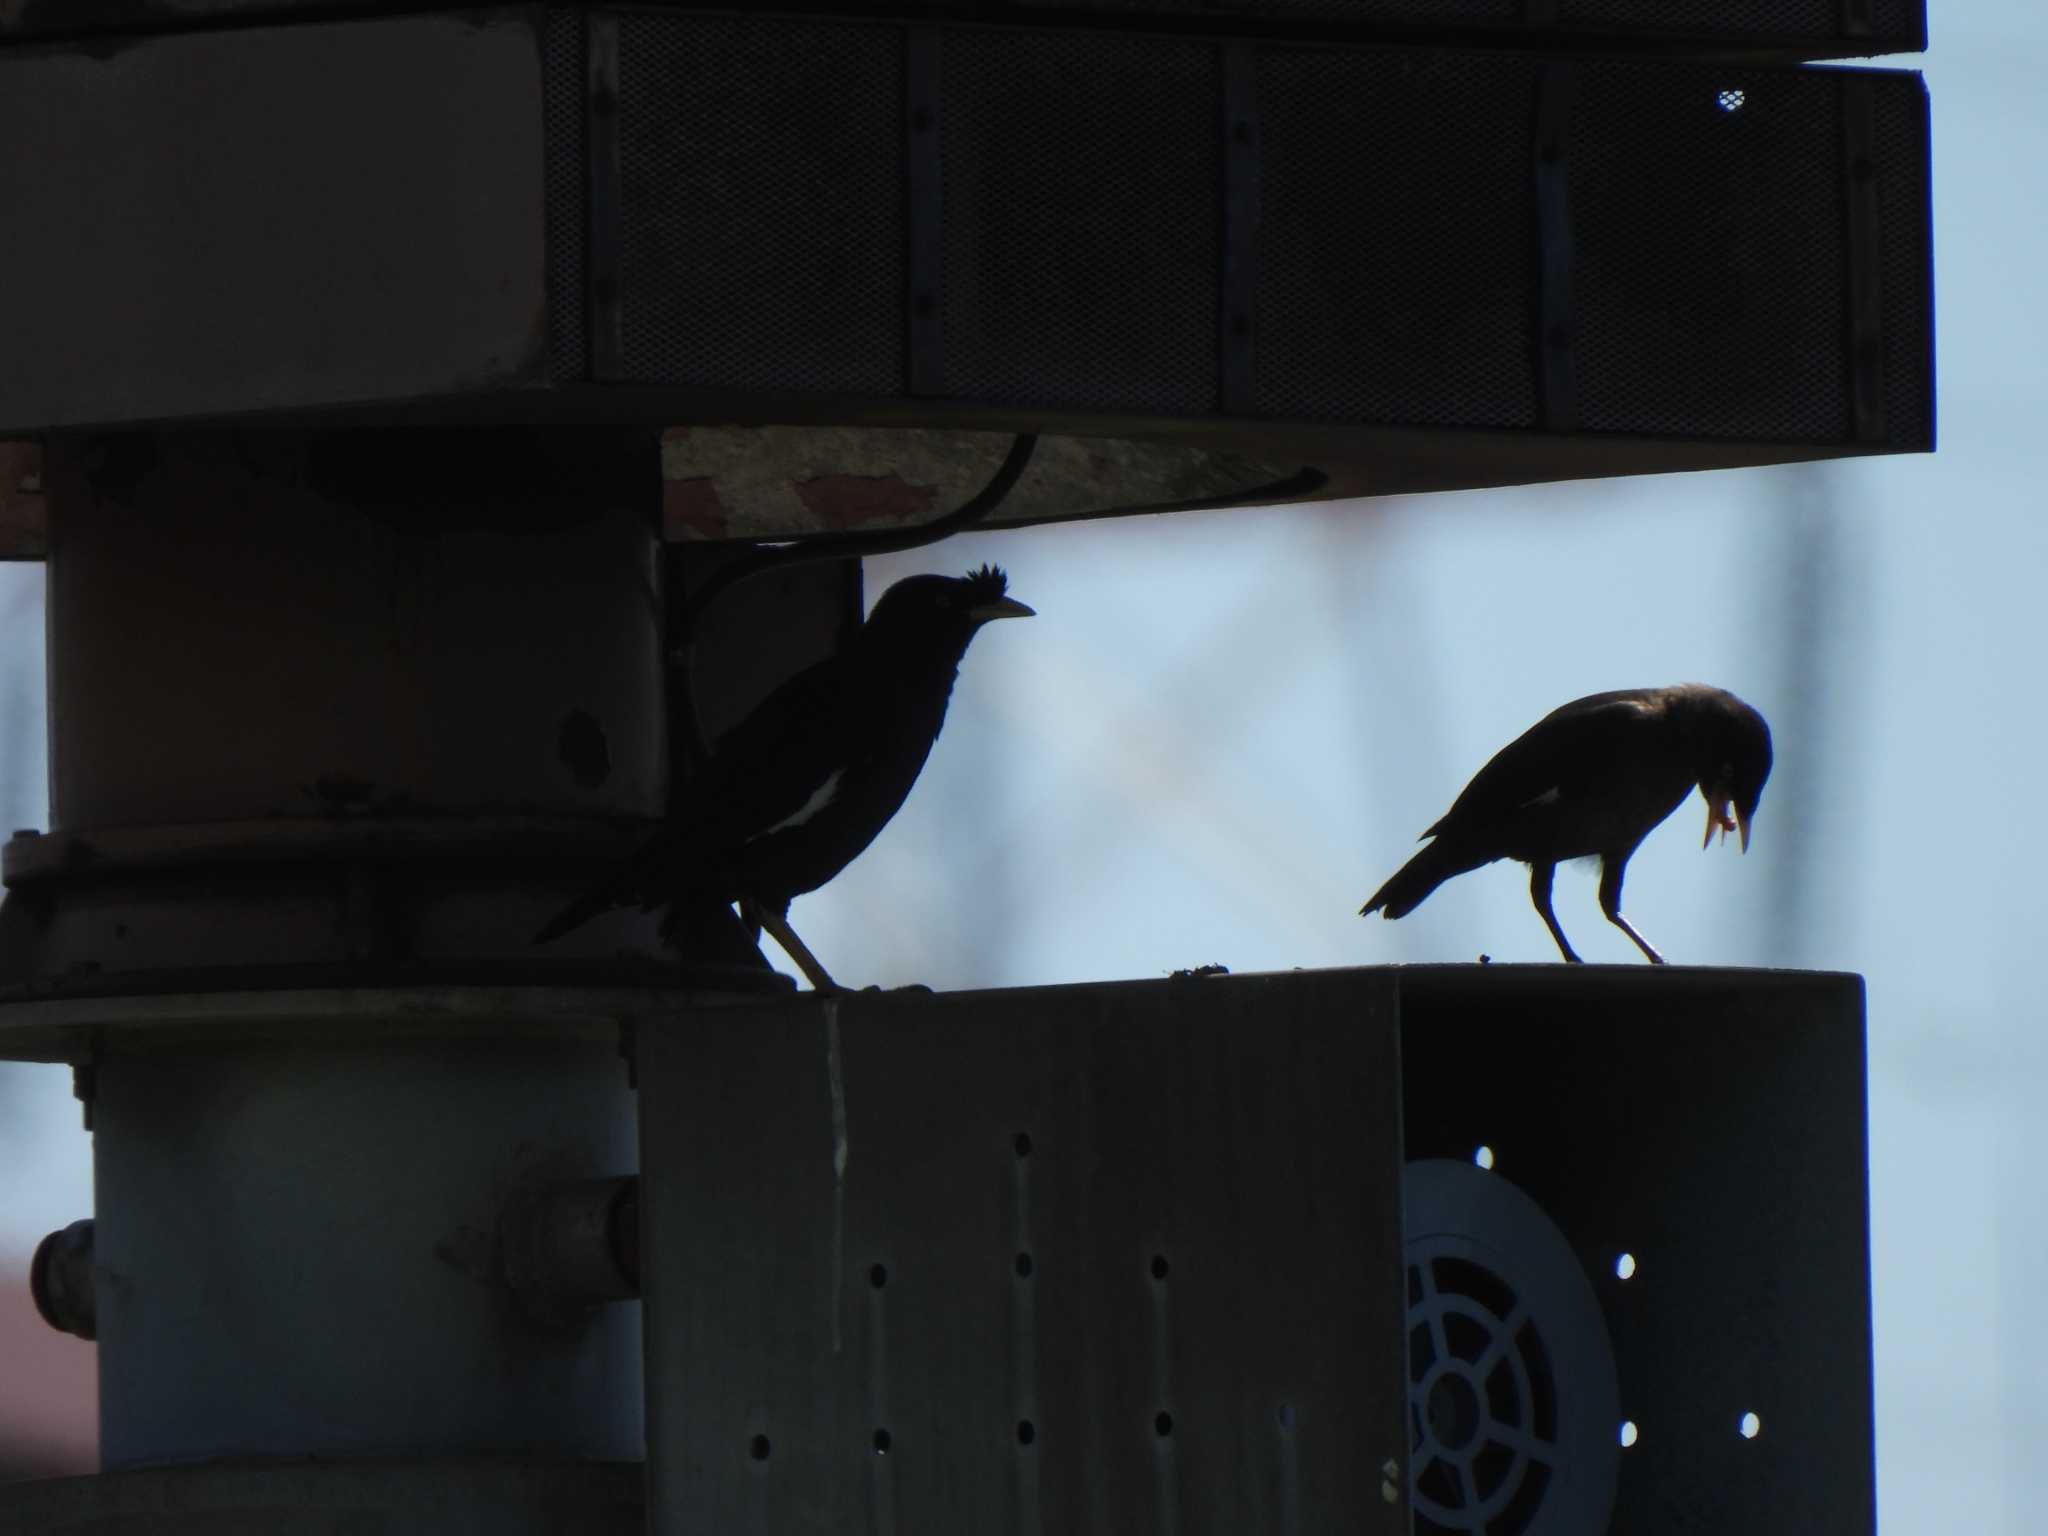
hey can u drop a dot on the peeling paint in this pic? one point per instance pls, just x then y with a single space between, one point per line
848 501
693 509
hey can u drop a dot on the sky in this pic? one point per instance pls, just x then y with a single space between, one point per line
1225 729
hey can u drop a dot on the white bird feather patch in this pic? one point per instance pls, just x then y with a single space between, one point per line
821 797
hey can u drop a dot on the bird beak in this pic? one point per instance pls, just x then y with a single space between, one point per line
1718 819
1001 608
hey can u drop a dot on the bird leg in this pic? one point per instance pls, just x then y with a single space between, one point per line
1539 892
777 925
1610 903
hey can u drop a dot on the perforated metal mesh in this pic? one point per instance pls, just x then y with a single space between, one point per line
1396 248
1082 220
562 113
1763 18
1900 144
762 203
1709 234
1744 23
765 230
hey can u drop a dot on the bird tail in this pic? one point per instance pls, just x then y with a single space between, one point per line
1413 881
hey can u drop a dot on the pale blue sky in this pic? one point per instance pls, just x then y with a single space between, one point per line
1225 729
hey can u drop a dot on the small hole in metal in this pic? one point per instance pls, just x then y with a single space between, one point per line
1628 1432
1023 1266
758 1448
1023 1143
1750 1426
878 1276
1625 1267
1483 1156
1162 1424
1159 1266
881 1442
1730 101
1026 1432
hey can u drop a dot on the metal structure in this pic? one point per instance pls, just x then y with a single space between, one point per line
355 367
1124 1257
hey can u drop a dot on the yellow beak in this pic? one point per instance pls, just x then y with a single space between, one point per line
1719 819
1001 608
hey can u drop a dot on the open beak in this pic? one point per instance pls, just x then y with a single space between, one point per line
1719 820
1001 608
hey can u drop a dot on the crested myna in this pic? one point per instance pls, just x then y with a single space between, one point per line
799 788
1593 778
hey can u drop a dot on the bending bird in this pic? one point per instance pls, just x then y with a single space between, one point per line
798 789
1593 779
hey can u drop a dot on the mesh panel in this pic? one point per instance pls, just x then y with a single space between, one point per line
1082 231
1711 279
1761 18
1900 150
1760 23
1395 248
562 113
761 203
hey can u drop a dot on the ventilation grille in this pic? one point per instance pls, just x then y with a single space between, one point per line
1396 251
1710 260
1077 224
1082 225
562 88
761 203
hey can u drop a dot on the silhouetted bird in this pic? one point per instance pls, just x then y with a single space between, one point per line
799 788
1594 778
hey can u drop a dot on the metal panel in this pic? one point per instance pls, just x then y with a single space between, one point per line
1713 299
295 1250
1710 1124
1110 1258
1083 221
761 203
1786 29
1398 273
268 219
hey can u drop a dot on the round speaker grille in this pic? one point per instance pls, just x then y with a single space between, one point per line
1513 1403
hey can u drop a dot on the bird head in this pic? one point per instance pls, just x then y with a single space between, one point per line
1736 749
945 607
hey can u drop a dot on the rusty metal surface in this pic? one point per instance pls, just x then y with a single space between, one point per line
1075 1259
351 624
778 482
1711 1125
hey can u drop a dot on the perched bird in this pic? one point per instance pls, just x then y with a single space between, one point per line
799 788
1594 778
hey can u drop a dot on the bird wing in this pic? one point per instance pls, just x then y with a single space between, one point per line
784 759
1567 756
